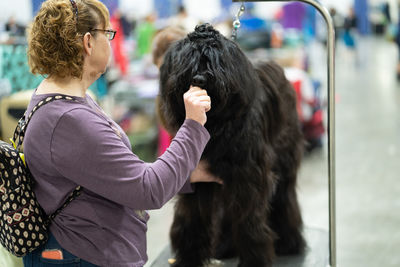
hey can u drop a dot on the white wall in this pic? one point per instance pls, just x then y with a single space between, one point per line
20 9
203 10
136 8
200 9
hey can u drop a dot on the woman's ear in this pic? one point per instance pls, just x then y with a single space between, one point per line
87 43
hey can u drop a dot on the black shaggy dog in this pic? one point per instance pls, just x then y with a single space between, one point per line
255 148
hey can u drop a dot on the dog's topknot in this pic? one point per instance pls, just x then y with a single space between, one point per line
207 59
205 34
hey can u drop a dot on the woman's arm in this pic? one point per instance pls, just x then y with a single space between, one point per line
85 150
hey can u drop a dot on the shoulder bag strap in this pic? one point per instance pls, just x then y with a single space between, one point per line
19 134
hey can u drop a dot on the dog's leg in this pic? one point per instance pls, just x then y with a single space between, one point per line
252 236
285 217
192 230
225 248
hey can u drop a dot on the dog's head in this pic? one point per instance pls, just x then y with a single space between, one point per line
207 59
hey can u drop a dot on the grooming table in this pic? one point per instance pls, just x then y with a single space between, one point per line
316 254
321 250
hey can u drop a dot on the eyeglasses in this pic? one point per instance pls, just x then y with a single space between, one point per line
110 34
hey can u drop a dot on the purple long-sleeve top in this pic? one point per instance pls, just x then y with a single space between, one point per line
75 143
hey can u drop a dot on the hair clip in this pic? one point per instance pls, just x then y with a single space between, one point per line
75 7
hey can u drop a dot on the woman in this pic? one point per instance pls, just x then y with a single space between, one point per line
71 143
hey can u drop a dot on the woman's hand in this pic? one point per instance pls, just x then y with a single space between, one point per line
197 103
201 174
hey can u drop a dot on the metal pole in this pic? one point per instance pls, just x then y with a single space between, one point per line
331 120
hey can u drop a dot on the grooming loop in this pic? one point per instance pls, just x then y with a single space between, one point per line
236 22
331 118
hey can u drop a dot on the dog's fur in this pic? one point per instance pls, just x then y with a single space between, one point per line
255 148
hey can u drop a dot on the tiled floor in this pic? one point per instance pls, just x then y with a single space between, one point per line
367 162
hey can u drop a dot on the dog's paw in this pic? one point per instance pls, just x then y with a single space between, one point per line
255 264
174 263
212 263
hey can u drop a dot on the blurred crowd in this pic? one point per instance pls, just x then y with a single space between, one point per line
287 36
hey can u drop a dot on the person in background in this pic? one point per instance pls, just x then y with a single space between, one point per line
120 57
161 42
126 25
71 143
338 21
144 33
183 20
350 25
13 28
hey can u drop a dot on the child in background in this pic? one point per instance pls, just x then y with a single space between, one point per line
161 42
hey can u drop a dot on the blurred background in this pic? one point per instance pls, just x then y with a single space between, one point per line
294 35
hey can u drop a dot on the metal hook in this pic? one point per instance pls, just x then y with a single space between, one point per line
236 22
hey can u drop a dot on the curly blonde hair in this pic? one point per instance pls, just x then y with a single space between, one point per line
55 46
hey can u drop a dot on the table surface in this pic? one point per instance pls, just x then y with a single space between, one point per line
316 254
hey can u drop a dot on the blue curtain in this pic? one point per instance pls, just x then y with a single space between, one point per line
226 4
36 6
167 8
309 23
111 4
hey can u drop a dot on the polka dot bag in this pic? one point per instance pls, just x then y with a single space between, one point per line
23 223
